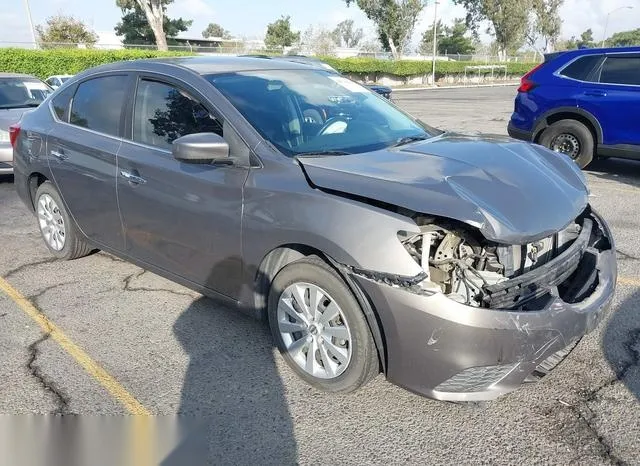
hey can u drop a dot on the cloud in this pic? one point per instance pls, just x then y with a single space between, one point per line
580 15
192 9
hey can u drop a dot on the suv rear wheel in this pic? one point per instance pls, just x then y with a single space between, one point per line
572 138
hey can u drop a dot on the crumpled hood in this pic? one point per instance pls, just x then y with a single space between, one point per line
514 192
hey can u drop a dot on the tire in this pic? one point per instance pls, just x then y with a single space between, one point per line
69 244
337 377
573 132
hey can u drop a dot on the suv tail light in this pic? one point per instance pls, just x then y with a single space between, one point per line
14 131
526 84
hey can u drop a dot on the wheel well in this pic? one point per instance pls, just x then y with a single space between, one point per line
35 180
556 117
280 257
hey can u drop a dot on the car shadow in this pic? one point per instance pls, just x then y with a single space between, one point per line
6 179
620 170
621 343
232 390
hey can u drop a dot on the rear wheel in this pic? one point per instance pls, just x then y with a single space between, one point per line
319 327
58 231
572 138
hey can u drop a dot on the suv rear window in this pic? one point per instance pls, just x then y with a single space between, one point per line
621 70
581 68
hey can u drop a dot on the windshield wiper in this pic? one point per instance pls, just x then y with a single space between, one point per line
409 139
321 153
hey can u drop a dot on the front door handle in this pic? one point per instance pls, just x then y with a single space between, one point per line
131 178
60 155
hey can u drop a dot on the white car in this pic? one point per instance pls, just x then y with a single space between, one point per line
56 81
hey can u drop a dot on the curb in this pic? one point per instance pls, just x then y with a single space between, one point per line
401 89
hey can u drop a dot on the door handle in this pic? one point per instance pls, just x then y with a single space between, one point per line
59 155
131 178
595 93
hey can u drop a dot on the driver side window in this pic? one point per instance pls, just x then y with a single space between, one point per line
163 113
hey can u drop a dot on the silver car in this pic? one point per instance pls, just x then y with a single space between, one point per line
18 93
460 266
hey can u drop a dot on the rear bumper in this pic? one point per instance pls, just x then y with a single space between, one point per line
449 351
6 159
518 133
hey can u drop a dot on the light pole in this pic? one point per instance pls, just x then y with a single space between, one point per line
606 24
435 44
33 31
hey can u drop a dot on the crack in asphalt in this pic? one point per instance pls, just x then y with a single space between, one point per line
61 398
130 278
112 258
626 256
34 297
29 265
589 396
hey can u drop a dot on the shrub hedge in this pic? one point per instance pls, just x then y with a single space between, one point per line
44 63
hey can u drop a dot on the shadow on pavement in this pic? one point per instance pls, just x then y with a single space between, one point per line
232 388
620 170
621 343
6 179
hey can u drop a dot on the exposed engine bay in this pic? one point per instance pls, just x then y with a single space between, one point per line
467 268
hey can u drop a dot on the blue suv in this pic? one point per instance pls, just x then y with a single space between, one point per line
583 103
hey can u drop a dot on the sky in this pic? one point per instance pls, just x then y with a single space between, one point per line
249 18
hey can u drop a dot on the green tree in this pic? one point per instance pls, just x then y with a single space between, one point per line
215 30
624 39
395 20
546 24
586 40
61 29
279 33
509 20
138 28
346 35
426 44
452 39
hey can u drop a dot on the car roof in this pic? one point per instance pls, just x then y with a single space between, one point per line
591 51
203 65
17 75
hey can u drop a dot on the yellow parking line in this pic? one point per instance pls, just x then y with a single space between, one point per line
88 364
629 281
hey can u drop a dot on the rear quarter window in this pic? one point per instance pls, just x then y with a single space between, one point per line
61 103
581 68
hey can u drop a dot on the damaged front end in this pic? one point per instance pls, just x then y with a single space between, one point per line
483 317
468 269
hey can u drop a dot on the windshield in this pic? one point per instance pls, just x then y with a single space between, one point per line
21 92
315 111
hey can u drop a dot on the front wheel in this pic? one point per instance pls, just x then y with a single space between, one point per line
319 327
572 138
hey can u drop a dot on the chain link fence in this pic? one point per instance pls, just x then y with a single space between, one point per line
255 48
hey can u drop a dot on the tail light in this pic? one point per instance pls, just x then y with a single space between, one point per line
526 84
14 131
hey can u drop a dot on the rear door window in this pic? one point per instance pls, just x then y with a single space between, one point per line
582 67
98 102
621 70
163 113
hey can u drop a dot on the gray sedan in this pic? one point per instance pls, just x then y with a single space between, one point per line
18 93
460 266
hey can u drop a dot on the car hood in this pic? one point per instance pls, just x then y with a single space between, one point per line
514 192
11 116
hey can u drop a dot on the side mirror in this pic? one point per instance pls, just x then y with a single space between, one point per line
201 148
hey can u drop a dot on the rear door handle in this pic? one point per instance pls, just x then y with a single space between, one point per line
131 178
595 93
60 155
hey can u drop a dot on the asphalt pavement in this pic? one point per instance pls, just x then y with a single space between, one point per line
173 351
